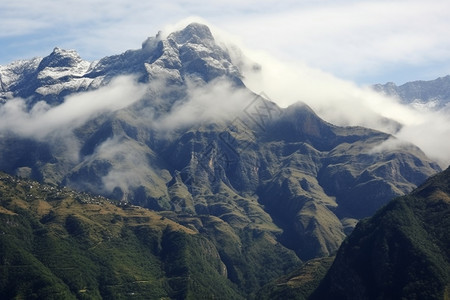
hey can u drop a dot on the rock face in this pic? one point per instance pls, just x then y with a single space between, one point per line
199 143
402 252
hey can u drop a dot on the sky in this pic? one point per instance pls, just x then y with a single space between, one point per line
364 42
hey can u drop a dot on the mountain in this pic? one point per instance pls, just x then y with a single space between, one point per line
402 252
433 94
173 128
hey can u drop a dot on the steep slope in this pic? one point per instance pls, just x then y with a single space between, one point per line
199 143
402 252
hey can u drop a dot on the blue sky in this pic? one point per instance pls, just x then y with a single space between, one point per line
362 41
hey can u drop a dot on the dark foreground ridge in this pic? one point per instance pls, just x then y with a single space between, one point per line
402 252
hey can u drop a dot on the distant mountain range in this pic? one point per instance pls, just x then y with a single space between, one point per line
173 128
432 94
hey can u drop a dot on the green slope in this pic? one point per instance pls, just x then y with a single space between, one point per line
402 252
299 284
58 244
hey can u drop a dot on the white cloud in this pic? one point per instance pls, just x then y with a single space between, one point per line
130 167
42 120
353 38
213 102
431 135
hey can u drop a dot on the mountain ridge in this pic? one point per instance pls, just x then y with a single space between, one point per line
432 93
191 51
400 252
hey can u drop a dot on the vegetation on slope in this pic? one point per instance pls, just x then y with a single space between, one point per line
402 252
56 244
299 284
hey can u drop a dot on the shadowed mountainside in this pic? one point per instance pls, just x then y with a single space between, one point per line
402 252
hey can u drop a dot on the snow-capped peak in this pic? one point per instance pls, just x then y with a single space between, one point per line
194 33
191 52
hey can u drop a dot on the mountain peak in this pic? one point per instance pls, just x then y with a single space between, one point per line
194 52
432 94
195 33
189 52
61 58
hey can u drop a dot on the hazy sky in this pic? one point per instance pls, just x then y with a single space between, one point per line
363 41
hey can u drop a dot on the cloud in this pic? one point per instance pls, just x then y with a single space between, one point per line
391 144
216 101
130 167
43 120
431 135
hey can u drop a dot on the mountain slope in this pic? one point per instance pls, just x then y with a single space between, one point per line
400 252
300 283
56 243
50 236
198 143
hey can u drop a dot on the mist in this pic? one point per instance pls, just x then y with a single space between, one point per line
215 101
130 167
55 124
42 120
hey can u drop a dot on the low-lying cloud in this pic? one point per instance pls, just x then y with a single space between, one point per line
130 166
42 120
216 101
